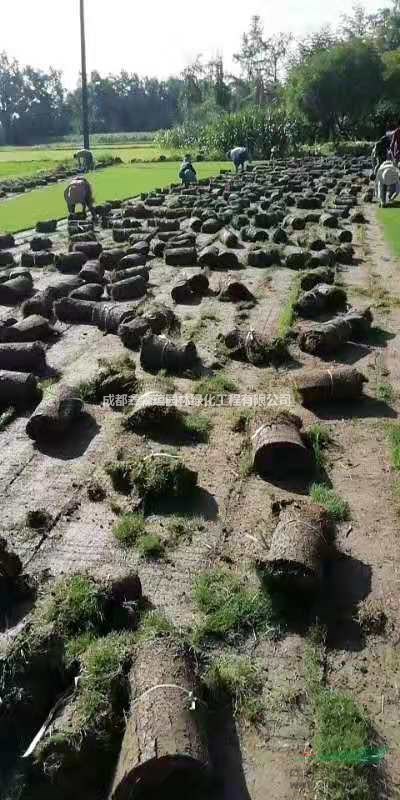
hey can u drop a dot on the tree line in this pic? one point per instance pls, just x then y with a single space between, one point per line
342 82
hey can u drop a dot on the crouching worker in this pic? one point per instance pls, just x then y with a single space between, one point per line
80 192
239 156
85 160
387 183
187 172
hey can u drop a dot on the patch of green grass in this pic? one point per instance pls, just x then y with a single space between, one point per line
246 464
196 330
163 476
197 426
319 437
240 420
120 474
385 392
217 385
338 508
77 605
182 529
342 740
154 624
162 383
288 315
150 546
11 170
211 316
104 666
129 529
393 431
121 371
47 385
240 679
120 182
75 647
388 218
6 417
230 606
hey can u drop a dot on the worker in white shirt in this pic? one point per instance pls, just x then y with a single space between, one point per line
387 183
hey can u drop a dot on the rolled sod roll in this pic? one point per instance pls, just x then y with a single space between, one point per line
323 385
40 243
229 239
90 291
109 259
128 289
108 317
30 329
132 260
41 258
42 302
18 389
6 240
278 449
209 257
181 256
158 352
195 286
134 272
6 259
70 262
92 272
46 226
323 297
131 333
90 249
316 276
55 415
326 338
22 357
16 289
163 749
299 546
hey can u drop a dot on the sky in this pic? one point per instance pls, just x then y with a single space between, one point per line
157 37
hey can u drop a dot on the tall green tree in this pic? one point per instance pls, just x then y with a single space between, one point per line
335 90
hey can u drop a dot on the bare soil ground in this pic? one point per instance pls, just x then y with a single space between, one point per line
269 759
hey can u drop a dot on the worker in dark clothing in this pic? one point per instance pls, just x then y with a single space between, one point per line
187 172
380 153
395 146
85 160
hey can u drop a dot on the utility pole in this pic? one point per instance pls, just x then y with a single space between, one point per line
85 109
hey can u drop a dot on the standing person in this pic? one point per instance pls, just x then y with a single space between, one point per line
380 153
80 191
395 146
85 159
187 171
239 156
387 183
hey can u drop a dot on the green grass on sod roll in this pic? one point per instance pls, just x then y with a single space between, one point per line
114 183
